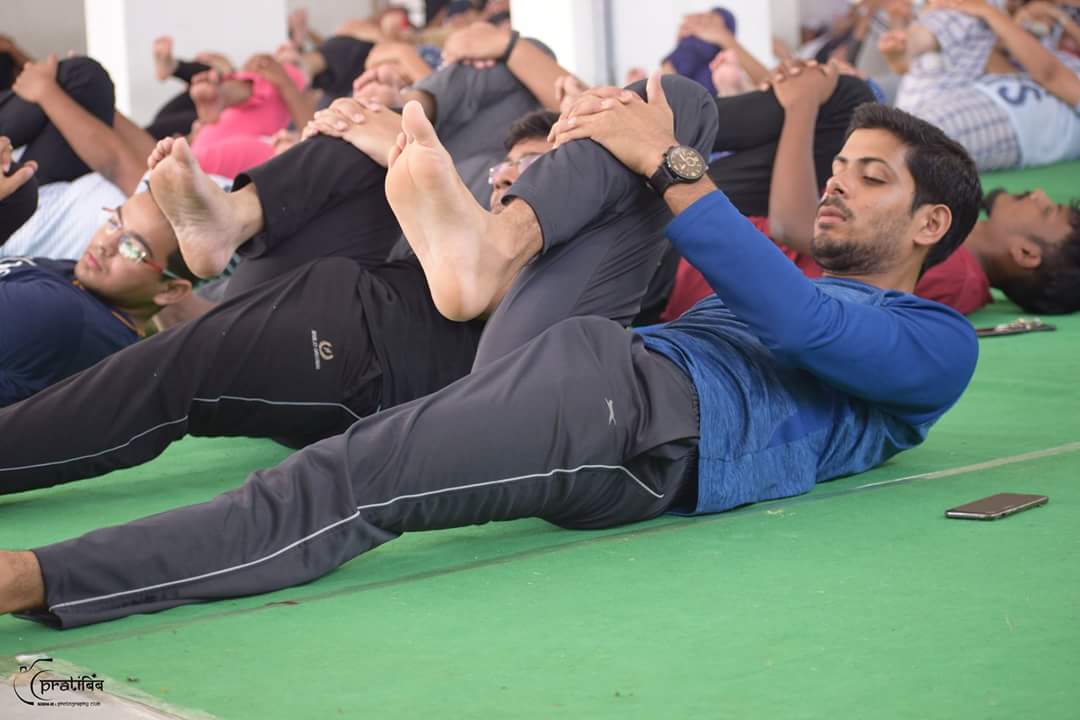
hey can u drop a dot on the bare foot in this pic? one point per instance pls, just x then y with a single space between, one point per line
160 152
287 53
382 84
21 583
728 76
466 256
635 74
164 62
298 27
210 224
206 94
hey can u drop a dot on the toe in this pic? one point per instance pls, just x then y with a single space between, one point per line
416 125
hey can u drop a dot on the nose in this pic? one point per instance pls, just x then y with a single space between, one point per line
506 177
835 186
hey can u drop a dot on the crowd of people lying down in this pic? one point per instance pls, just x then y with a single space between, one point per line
466 286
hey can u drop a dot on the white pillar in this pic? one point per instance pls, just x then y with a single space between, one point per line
786 21
573 29
642 32
645 32
119 34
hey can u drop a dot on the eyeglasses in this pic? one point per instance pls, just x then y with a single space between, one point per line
521 164
131 246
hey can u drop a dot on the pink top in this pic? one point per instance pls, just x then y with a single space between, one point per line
238 141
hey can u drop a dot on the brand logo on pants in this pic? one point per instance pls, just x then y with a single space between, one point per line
322 349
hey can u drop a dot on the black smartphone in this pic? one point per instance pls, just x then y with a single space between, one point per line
996 506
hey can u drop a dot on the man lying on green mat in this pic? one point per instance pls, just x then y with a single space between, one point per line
62 316
1028 246
783 383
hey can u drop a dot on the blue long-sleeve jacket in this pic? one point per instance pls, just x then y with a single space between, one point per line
801 381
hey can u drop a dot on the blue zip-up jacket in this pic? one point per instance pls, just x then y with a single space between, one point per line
801 381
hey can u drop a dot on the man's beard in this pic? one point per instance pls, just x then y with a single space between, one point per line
870 256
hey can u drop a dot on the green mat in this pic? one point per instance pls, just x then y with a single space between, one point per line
857 600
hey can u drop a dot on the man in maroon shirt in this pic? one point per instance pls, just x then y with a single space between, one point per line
1028 246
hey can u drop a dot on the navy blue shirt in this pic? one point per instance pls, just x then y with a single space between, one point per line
801 381
50 327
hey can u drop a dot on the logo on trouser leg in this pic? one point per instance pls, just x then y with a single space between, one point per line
322 349
611 411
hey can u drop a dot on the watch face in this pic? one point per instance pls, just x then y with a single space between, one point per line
686 162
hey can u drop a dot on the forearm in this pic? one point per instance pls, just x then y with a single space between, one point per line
141 142
537 71
411 62
301 108
793 192
680 197
920 41
1040 63
96 144
758 73
913 368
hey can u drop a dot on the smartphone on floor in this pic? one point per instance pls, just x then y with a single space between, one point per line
996 506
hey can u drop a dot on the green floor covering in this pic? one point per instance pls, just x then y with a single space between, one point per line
849 602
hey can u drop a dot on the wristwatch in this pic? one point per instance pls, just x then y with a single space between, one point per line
681 164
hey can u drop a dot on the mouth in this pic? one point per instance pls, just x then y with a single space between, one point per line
827 214
92 261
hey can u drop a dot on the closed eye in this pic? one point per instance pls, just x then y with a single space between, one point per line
873 181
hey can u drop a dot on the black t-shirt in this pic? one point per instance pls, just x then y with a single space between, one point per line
420 351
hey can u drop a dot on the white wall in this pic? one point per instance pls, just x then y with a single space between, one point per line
324 16
573 29
642 32
120 33
44 26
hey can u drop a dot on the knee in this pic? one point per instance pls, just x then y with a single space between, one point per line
696 118
85 79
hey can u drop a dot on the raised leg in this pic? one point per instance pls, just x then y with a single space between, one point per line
26 124
206 377
210 224
469 255
603 434
602 229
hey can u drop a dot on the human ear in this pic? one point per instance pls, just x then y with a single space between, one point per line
174 292
932 222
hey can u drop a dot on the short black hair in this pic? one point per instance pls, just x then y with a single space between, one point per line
176 265
536 124
1053 288
942 169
